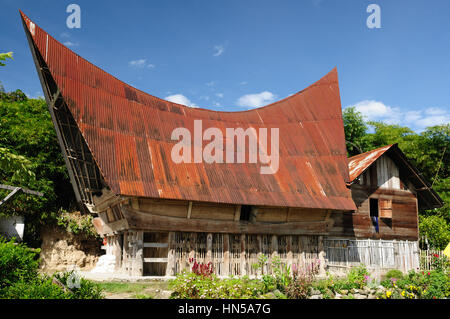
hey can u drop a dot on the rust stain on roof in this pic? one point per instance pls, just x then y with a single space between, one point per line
359 163
129 135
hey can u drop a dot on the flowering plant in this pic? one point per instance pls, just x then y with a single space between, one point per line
201 269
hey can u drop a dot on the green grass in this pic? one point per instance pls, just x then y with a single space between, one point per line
140 290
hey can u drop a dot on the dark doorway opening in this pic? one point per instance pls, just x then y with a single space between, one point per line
245 212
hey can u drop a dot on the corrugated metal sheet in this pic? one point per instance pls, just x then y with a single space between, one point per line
129 135
359 163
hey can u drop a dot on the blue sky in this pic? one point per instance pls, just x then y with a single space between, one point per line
235 55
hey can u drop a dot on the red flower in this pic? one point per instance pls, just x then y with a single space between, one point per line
428 274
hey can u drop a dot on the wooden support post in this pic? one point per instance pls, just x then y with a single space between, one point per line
226 255
137 249
243 259
125 250
237 213
322 259
170 270
135 203
208 248
274 246
289 253
192 246
260 253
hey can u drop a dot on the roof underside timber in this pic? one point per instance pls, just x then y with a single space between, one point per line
128 135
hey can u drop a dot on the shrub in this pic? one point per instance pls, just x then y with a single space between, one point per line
77 223
19 278
434 284
193 286
299 287
302 280
17 263
394 273
80 288
37 288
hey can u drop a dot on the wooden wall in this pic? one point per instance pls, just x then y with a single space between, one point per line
380 181
159 254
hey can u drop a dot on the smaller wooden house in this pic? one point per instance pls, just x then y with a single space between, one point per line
383 232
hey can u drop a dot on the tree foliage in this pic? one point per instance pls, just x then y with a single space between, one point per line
30 157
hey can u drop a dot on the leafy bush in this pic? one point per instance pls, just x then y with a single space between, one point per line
433 284
193 286
77 223
394 273
37 288
302 280
17 263
83 289
19 278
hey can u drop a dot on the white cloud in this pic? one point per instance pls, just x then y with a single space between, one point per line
415 119
70 44
212 83
243 83
219 95
219 49
180 99
256 100
141 63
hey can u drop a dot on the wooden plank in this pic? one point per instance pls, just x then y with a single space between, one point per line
270 214
155 260
237 213
189 210
148 221
164 208
212 211
156 245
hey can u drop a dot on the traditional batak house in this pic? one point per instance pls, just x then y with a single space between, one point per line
287 197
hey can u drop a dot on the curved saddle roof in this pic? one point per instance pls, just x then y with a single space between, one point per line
129 132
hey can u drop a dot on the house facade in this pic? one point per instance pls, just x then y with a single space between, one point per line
158 214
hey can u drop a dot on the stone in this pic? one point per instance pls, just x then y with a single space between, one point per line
344 291
316 297
359 296
337 296
364 291
371 296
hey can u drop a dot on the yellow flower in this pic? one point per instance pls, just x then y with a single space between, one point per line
388 294
403 293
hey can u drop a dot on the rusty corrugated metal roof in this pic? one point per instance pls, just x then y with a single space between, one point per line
359 163
129 134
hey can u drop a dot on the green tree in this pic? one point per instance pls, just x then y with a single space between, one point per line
28 142
4 57
355 129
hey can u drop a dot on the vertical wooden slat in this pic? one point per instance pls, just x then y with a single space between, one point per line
208 248
226 255
243 261
170 270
